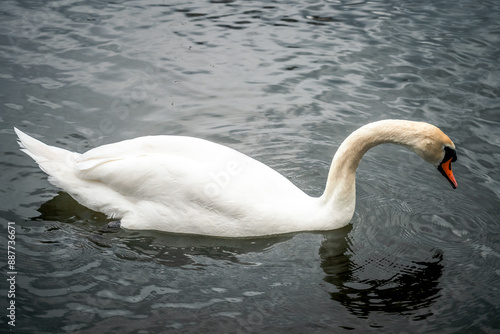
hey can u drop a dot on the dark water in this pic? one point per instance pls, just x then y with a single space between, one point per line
284 82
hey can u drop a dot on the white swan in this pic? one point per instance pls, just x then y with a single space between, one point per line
189 185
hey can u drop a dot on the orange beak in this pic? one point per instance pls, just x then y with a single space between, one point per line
445 169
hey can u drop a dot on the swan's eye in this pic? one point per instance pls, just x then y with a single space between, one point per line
449 153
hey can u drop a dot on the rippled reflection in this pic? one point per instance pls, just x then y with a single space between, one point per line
413 287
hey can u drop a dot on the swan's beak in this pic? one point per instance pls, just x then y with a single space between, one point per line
445 169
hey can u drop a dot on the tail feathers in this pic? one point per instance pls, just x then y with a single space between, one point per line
50 159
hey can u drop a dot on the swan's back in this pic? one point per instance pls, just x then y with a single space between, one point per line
146 164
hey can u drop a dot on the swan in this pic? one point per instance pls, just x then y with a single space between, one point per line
188 185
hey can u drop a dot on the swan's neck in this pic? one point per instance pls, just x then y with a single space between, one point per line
340 188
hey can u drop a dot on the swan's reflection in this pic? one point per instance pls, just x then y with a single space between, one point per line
409 287
413 286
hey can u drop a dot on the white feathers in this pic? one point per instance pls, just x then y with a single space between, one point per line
189 185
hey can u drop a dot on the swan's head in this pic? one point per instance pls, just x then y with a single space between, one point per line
435 147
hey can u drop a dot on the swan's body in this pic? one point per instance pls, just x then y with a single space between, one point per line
190 185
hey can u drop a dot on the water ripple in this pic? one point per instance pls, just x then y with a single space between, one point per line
285 83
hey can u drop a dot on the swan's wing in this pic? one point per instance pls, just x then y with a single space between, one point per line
147 167
142 177
188 147
170 169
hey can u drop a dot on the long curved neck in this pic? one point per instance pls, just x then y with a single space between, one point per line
340 186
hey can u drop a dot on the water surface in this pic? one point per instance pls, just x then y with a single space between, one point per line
284 82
